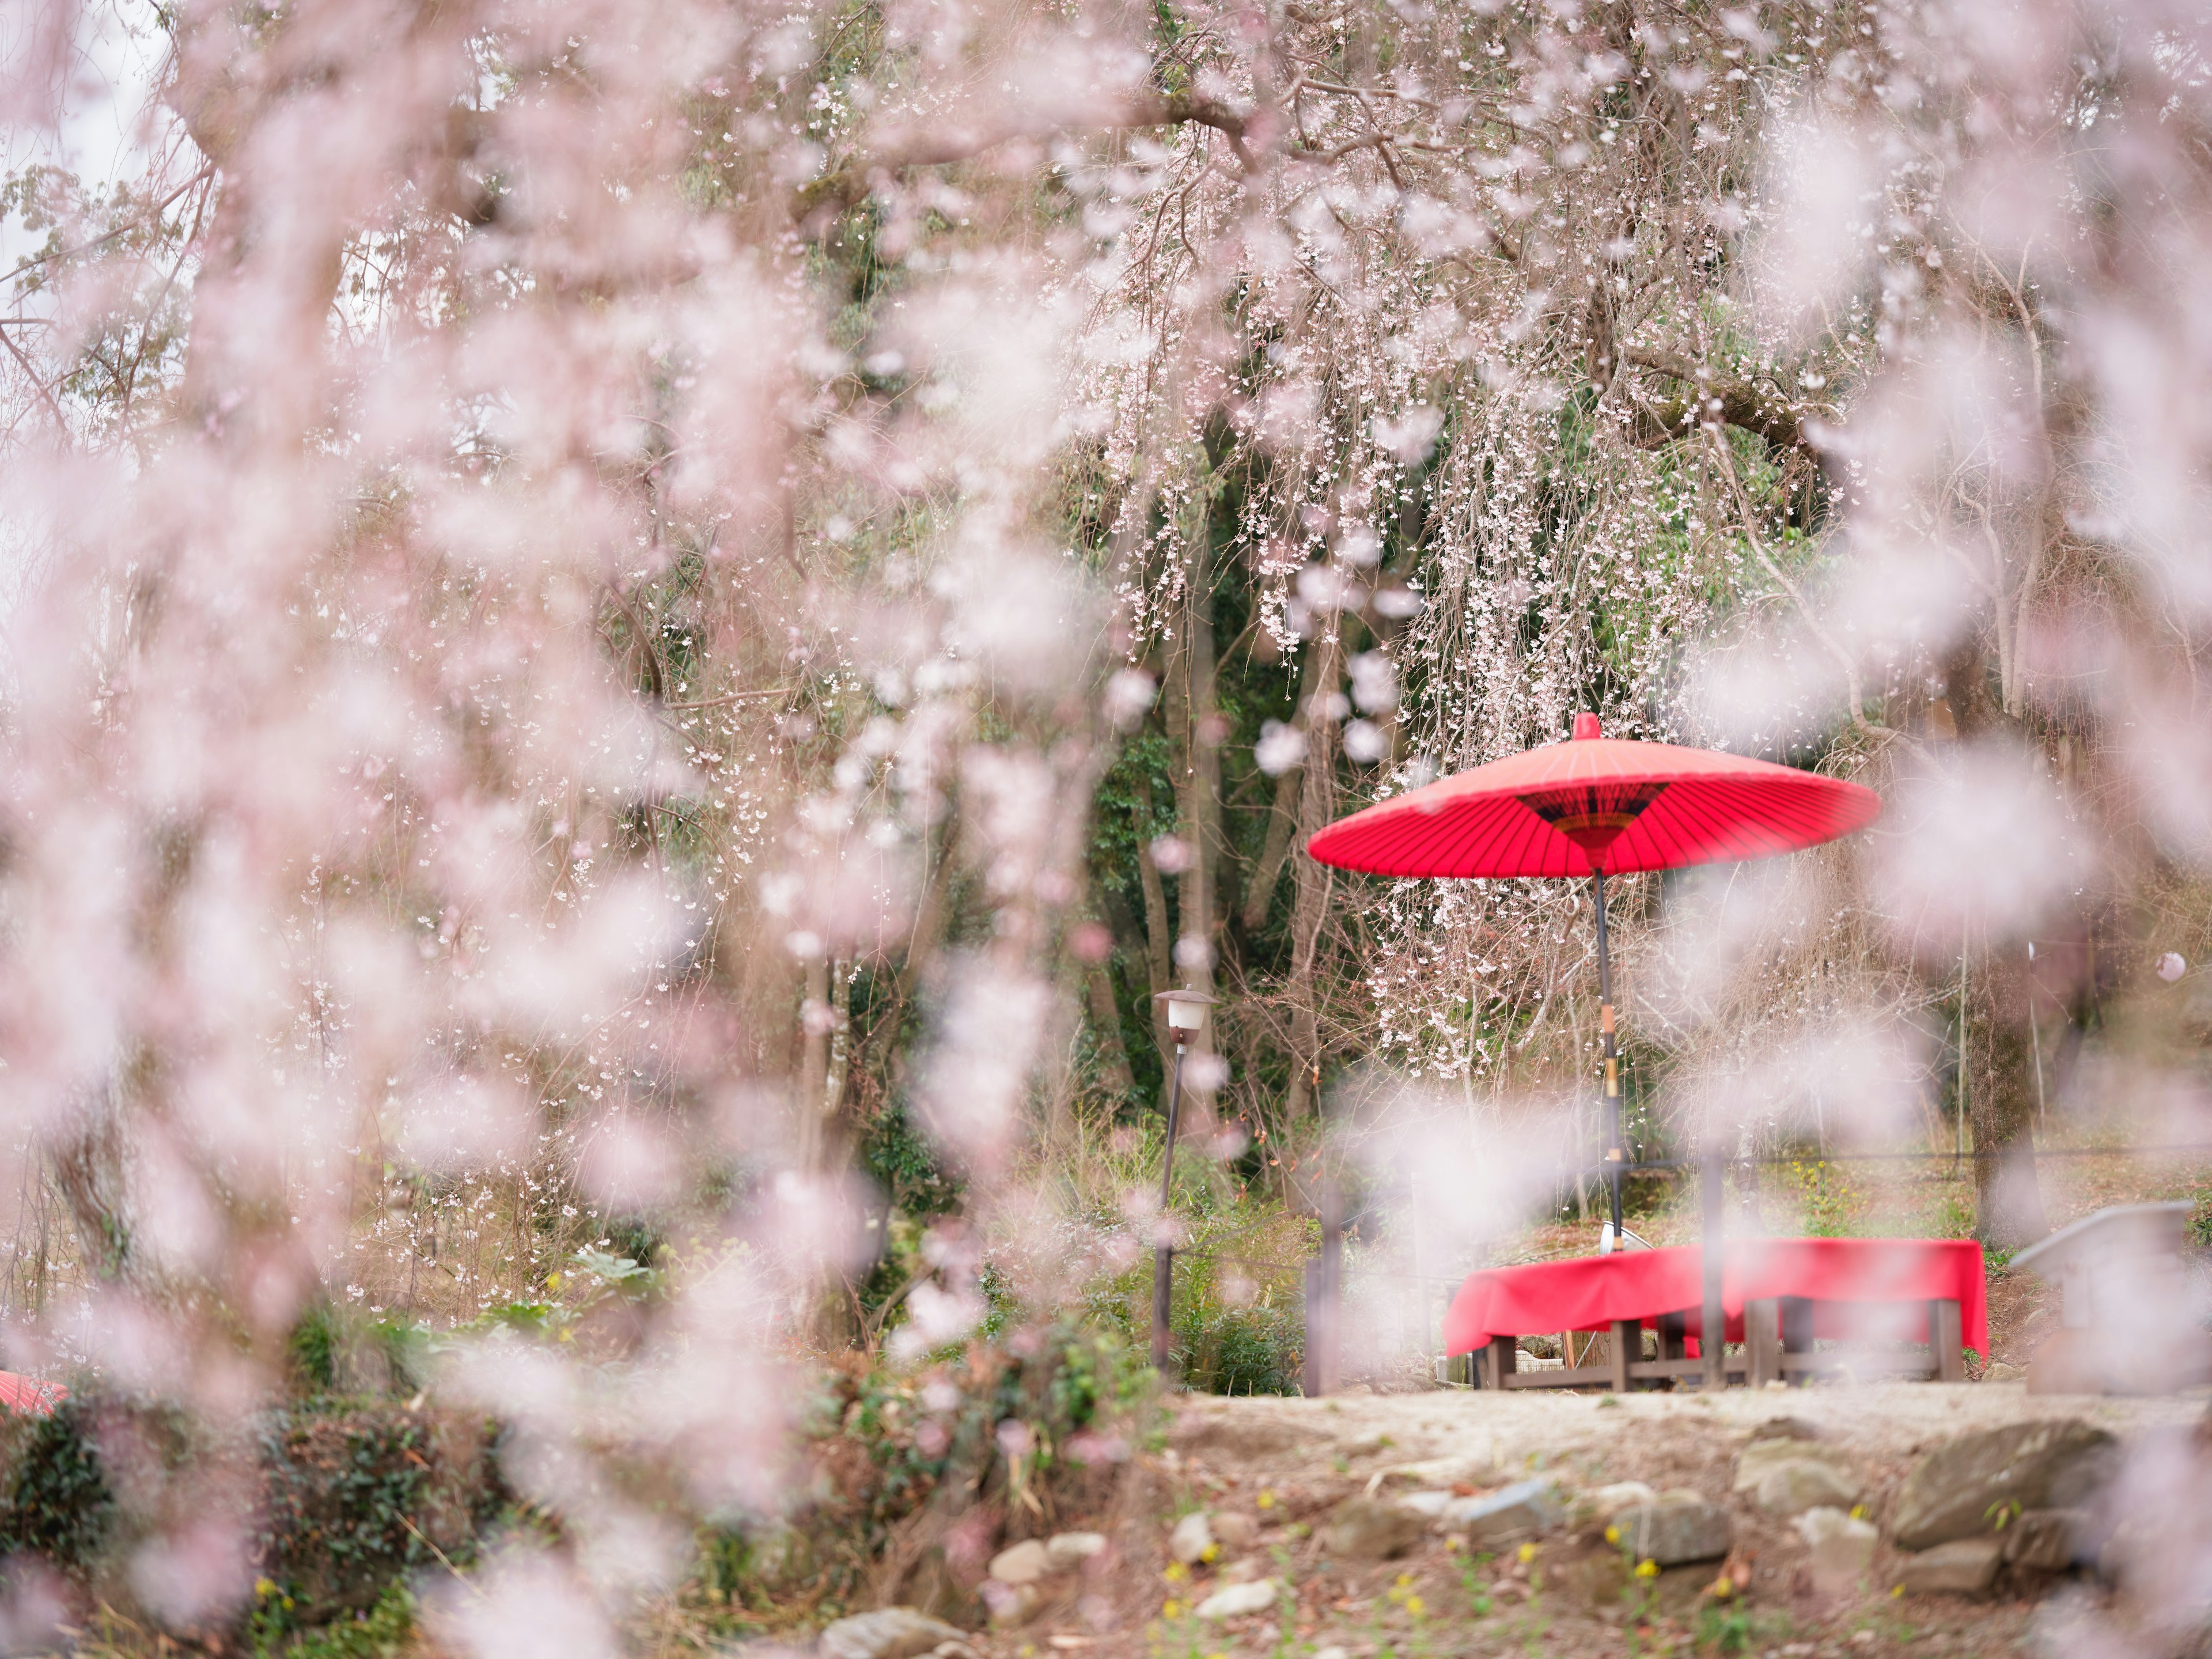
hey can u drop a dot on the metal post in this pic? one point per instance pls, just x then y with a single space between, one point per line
1615 1153
1164 1252
1712 1341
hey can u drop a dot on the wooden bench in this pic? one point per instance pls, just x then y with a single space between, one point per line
1778 1347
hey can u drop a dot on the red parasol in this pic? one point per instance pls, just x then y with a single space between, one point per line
1593 805
1597 805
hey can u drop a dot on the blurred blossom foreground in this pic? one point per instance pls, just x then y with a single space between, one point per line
638 632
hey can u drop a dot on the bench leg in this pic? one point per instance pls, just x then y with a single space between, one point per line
1495 1362
1762 1342
1627 1344
1796 1329
1946 1340
1672 1339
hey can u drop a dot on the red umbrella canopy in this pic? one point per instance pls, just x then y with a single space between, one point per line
1569 809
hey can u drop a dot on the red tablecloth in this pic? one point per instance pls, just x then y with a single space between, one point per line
1867 1289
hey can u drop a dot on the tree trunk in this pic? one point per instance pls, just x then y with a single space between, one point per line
1106 1022
1311 881
1191 717
1999 1064
1283 821
814 1017
91 1171
1997 1058
1159 942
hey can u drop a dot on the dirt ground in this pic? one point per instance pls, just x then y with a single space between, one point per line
1285 1464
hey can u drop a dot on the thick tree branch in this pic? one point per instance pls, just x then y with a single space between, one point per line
850 183
1761 409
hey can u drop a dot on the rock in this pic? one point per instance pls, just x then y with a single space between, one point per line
1958 1489
886 1634
1475 1468
1236 1529
1526 1506
1192 1537
1602 1503
1965 1566
2002 1370
2049 1540
1680 1526
1065 1552
1801 1484
1429 1503
1010 1604
1590 1578
934 1587
1762 1457
1784 1428
1243 1571
1374 1529
1842 1546
1021 1564
1238 1600
954 1650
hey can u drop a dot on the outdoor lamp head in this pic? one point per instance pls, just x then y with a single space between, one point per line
1186 1012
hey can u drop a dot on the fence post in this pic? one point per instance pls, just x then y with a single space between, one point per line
1712 1343
1325 1298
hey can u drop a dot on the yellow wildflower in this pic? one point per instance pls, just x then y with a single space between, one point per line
552 1281
1415 1605
1171 1608
1454 1544
1613 1534
1207 1554
1404 1579
1528 1553
264 1588
1647 1569
1897 1590
1267 1498
1177 1573
1858 1511
1722 1587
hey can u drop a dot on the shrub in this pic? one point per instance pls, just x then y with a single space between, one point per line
356 1495
1028 1430
58 1504
352 1495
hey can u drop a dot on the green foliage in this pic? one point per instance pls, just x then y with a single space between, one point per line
354 1496
1032 1423
1239 1307
313 1349
1827 1198
902 1163
58 1501
385 1631
1246 1350
1724 1629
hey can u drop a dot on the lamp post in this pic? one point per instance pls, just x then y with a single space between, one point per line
1186 1020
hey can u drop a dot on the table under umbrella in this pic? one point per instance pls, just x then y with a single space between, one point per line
1592 806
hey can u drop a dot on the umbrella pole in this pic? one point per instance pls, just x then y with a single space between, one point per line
1615 1155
